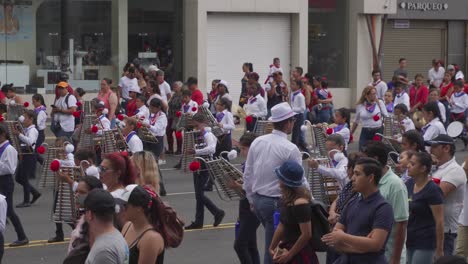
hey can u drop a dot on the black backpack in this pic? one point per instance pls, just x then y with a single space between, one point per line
320 225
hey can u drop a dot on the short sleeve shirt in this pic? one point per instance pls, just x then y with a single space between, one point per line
395 193
109 248
421 231
67 122
454 174
165 89
359 218
126 84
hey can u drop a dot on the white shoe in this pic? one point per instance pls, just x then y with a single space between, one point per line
161 162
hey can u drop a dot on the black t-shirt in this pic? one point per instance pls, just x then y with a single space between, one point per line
421 233
291 217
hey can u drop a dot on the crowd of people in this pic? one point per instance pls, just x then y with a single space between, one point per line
409 209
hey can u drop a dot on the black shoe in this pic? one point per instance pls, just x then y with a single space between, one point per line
194 225
218 218
19 243
35 197
55 239
178 166
23 204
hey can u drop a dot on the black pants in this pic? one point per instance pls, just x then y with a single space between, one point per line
157 149
246 240
2 245
7 187
26 168
39 141
225 144
200 178
297 138
59 225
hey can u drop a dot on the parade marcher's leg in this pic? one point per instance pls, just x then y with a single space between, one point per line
25 169
59 236
214 210
6 188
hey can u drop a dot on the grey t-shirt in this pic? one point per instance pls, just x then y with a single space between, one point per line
110 248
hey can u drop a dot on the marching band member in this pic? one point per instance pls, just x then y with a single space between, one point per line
256 106
434 126
104 123
142 113
188 105
41 118
388 99
298 106
226 122
129 127
341 126
8 165
434 97
156 124
27 166
401 97
335 146
458 102
401 112
370 112
200 176
90 168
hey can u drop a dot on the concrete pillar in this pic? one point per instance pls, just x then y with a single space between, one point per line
119 36
456 43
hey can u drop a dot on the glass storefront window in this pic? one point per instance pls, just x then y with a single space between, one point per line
328 47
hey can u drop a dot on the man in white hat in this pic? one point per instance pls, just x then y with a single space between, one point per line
266 153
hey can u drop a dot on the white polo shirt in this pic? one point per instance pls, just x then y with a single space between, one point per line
165 89
126 84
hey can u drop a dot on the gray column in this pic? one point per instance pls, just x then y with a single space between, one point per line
456 43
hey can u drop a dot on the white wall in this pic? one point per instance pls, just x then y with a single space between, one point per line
195 25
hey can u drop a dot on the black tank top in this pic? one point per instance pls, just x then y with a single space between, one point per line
135 252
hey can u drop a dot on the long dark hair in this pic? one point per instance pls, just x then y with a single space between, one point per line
434 109
414 137
39 98
249 66
345 113
425 160
289 194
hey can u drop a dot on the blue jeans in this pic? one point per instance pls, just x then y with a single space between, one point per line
419 256
449 243
265 207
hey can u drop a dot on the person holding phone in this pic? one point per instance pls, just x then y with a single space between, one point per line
63 122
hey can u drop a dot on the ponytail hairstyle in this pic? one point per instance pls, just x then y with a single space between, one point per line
345 113
123 166
433 108
39 98
31 114
414 137
226 103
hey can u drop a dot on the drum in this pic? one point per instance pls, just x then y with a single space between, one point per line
455 129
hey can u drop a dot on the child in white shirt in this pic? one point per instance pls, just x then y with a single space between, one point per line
298 106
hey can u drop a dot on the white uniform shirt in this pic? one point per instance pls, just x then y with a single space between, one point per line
188 108
436 77
227 120
210 144
433 129
126 84
367 118
142 113
344 132
339 172
459 104
454 174
41 119
408 124
67 122
30 136
3 213
134 143
8 160
103 125
402 98
158 124
381 88
256 106
298 102
165 89
463 219
442 111
265 154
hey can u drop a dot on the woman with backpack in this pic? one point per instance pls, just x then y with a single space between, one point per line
145 242
292 239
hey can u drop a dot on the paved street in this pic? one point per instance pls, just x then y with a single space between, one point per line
210 245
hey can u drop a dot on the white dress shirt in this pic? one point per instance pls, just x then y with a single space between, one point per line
67 122
339 172
433 129
381 88
3 213
256 106
134 143
30 137
367 119
459 104
210 144
344 132
402 98
227 121
298 102
103 125
41 119
442 111
192 104
265 154
408 124
436 77
8 160
142 113
158 124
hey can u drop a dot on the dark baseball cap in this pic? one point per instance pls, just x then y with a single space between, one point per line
440 140
99 200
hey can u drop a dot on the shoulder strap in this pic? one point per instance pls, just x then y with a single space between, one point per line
126 230
66 99
135 242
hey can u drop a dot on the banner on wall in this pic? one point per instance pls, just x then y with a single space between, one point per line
16 20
